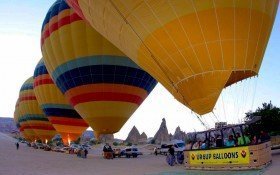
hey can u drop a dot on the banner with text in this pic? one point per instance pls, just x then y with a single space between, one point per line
234 155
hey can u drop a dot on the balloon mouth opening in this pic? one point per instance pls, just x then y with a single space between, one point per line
237 76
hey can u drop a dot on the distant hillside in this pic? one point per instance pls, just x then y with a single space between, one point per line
7 125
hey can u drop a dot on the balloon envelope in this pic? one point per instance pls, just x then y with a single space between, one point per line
104 86
194 48
37 123
66 121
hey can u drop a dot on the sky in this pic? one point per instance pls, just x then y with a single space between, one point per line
20 27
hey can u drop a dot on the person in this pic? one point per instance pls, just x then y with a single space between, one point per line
155 151
17 145
189 145
254 141
86 153
108 151
171 157
171 150
219 141
264 136
242 140
212 142
203 145
230 142
196 145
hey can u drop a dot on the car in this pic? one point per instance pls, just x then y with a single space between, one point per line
47 148
132 152
65 150
40 145
117 152
56 149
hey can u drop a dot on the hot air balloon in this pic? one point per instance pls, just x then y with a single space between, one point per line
28 133
194 48
38 125
104 86
66 121
16 119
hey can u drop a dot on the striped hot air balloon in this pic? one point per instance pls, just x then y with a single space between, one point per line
66 121
28 132
195 48
104 86
38 125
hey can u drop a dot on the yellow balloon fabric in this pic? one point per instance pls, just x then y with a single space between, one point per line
66 121
195 48
103 85
37 124
18 124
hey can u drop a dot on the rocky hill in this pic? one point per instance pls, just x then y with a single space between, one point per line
133 136
179 135
162 133
7 125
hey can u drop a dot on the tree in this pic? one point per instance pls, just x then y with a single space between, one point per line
270 118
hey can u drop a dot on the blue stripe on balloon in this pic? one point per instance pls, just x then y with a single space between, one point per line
63 106
40 70
26 87
56 8
39 117
105 74
60 112
93 60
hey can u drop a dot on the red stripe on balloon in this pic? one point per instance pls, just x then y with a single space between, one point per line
62 22
27 98
105 96
67 121
41 127
39 81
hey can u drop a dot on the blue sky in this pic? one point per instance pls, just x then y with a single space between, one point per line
20 27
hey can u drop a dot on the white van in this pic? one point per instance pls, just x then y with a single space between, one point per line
179 145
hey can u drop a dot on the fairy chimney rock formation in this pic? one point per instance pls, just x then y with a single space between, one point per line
162 134
179 135
133 136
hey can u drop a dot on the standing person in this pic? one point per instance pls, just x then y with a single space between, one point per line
86 153
17 145
243 140
171 157
264 136
230 142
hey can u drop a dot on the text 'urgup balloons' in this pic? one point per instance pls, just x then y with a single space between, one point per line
104 86
38 125
195 48
66 121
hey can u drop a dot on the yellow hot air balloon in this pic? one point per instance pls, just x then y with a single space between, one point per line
66 121
104 86
195 48
16 119
38 126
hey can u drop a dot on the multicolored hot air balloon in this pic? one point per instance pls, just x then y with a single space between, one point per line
104 86
16 119
28 132
195 48
66 121
38 125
